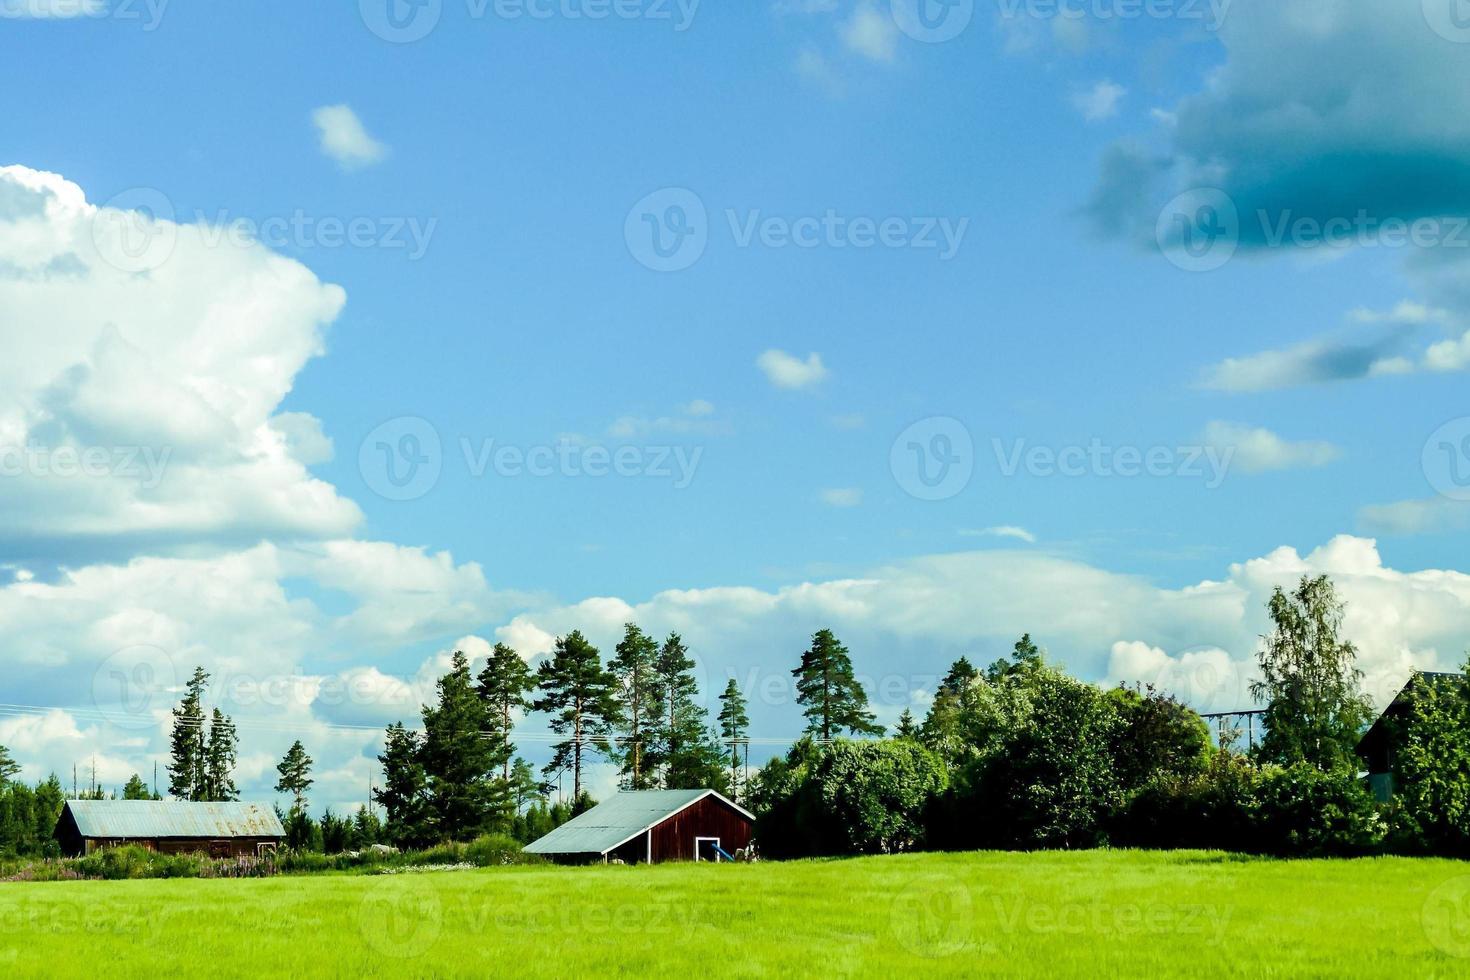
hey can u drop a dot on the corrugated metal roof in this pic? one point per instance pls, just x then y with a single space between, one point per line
619 820
172 818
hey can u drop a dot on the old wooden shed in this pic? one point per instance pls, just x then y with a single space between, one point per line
169 827
651 826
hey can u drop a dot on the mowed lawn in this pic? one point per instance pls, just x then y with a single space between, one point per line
1083 915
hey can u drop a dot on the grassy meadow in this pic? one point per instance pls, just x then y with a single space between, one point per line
1055 914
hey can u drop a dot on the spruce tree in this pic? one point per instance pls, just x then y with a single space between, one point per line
219 760
188 742
688 749
906 727
9 768
136 789
460 757
634 668
404 795
581 697
734 725
829 692
505 686
295 772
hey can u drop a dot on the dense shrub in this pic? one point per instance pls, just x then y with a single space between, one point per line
1214 809
850 798
1304 811
1050 782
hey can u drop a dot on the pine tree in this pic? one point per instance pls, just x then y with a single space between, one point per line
295 772
9 768
638 693
734 725
525 788
459 760
136 789
187 743
906 727
220 753
1310 680
581 698
505 685
826 688
404 796
687 747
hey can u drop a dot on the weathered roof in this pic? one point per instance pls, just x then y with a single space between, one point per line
619 819
172 818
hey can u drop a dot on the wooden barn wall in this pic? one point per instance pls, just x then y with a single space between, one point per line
673 840
227 848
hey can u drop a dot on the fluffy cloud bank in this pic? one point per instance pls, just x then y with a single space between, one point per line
145 363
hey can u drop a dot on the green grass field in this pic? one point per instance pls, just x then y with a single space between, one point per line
1084 915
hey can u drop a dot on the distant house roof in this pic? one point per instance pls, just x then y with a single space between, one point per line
613 823
1375 745
146 819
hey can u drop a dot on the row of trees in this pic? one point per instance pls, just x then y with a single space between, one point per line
460 776
1021 755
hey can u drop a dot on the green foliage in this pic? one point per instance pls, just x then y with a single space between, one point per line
505 685
1054 783
1303 811
28 817
336 833
581 698
734 722
1310 681
187 741
302 832
459 762
826 688
9 768
685 747
870 797
201 754
295 772
136 789
405 794
1431 754
219 759
635 668
1157 737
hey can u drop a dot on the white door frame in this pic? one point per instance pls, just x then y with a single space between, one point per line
697 841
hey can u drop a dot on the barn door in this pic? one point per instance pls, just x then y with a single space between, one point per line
705 848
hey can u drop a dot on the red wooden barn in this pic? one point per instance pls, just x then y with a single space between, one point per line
650 826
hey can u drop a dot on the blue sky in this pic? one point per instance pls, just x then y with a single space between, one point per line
1050 146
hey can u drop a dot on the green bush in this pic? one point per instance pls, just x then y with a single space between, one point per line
1302 811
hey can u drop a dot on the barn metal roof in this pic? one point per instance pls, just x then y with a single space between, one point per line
172 818
619 819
